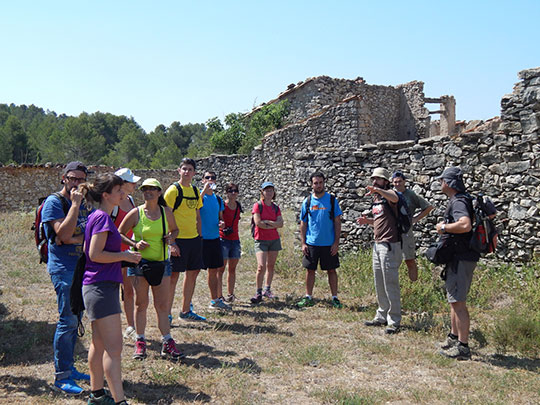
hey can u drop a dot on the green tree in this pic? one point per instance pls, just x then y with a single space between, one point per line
14 135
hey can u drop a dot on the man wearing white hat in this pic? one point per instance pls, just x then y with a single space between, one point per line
387 253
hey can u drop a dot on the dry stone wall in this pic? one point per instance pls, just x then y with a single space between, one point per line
499 158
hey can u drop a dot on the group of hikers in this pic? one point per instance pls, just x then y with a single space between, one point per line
130 249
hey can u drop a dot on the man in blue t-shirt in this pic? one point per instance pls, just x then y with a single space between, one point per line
320 229
212 220
65 219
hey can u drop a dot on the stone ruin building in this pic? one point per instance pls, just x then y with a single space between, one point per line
346 128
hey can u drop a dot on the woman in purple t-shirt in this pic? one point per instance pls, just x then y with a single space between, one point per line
101 281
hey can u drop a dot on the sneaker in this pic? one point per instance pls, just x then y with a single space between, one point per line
230 298
375 322
219 304
191 316
448 343
104 399
458 352
268 294
256 299
140 350
76 375
130 333
67 386
392 330
305 302
168 349
336 303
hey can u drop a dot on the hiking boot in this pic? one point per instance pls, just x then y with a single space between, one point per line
230 298
104 399
219 304
256 299
140 349
67 386
305 302
77 375
448 343
392 330
191 316
375 322
168 349
336 303
458 352
130 333
268 294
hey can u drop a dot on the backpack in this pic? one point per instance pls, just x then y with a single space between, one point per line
403 218
116 209
484 233
307 206
260 208
180 196
39 227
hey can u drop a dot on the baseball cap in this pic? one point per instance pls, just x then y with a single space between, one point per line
72 166
267 184
453 176
127 175
152 183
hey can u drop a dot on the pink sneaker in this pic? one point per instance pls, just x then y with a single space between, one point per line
140 350
168 349
268 294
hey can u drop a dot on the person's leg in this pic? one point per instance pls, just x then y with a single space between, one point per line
333 282
270 265
190 278
95 360
412 268
310 281
213 283
172 288
109 333
261 268
382 299
65 335
129 298
219 277
231 275
391 262
460 314
141 303
160 293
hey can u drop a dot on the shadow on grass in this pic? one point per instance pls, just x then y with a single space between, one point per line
33 387
236 327
163 393
512 362
209 359
29 342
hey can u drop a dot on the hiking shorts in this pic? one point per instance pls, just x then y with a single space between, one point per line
459 282
101 299
322 254
273 245
212 256
408 245
190 255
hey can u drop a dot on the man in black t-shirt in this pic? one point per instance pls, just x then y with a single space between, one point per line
457 225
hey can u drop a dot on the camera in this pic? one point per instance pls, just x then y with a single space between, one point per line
228 230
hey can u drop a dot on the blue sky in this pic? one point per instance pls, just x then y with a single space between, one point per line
188 61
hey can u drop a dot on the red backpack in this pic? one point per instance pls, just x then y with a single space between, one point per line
39 227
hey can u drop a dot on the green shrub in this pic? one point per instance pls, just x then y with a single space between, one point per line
517 329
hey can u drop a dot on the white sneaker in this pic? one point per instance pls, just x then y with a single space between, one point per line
219 304
130 333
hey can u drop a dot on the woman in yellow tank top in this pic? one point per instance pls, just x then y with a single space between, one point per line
153 228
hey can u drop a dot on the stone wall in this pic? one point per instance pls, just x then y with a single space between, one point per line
499 158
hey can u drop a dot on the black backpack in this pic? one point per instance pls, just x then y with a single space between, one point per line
403 218
39 227
180 196
307 206
260 208
484 232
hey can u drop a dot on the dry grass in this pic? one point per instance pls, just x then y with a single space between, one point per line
271 353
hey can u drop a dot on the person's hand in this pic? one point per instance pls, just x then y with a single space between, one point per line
438 227
371 190
363 220
76 197
334 248
221 224
132 257
141 245
175 250
305 249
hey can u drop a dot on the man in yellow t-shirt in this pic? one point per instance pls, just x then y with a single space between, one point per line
188 220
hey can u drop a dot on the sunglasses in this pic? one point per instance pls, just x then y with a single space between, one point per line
232 190
76 179
149 188
210 177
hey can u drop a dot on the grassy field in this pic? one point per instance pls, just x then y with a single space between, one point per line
275 353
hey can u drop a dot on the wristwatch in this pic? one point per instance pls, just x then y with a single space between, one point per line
443 228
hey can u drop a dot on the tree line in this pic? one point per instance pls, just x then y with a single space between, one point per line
29 134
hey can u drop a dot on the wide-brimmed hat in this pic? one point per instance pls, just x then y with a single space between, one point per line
152 183
382 173
127 175
267 184
453 176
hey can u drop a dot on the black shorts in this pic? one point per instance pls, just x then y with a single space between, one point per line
212 257
322 253
190 255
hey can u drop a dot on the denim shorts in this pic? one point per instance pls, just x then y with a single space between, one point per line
136 271
231 249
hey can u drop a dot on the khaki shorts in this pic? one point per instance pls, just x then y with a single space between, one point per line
408 245
267 245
